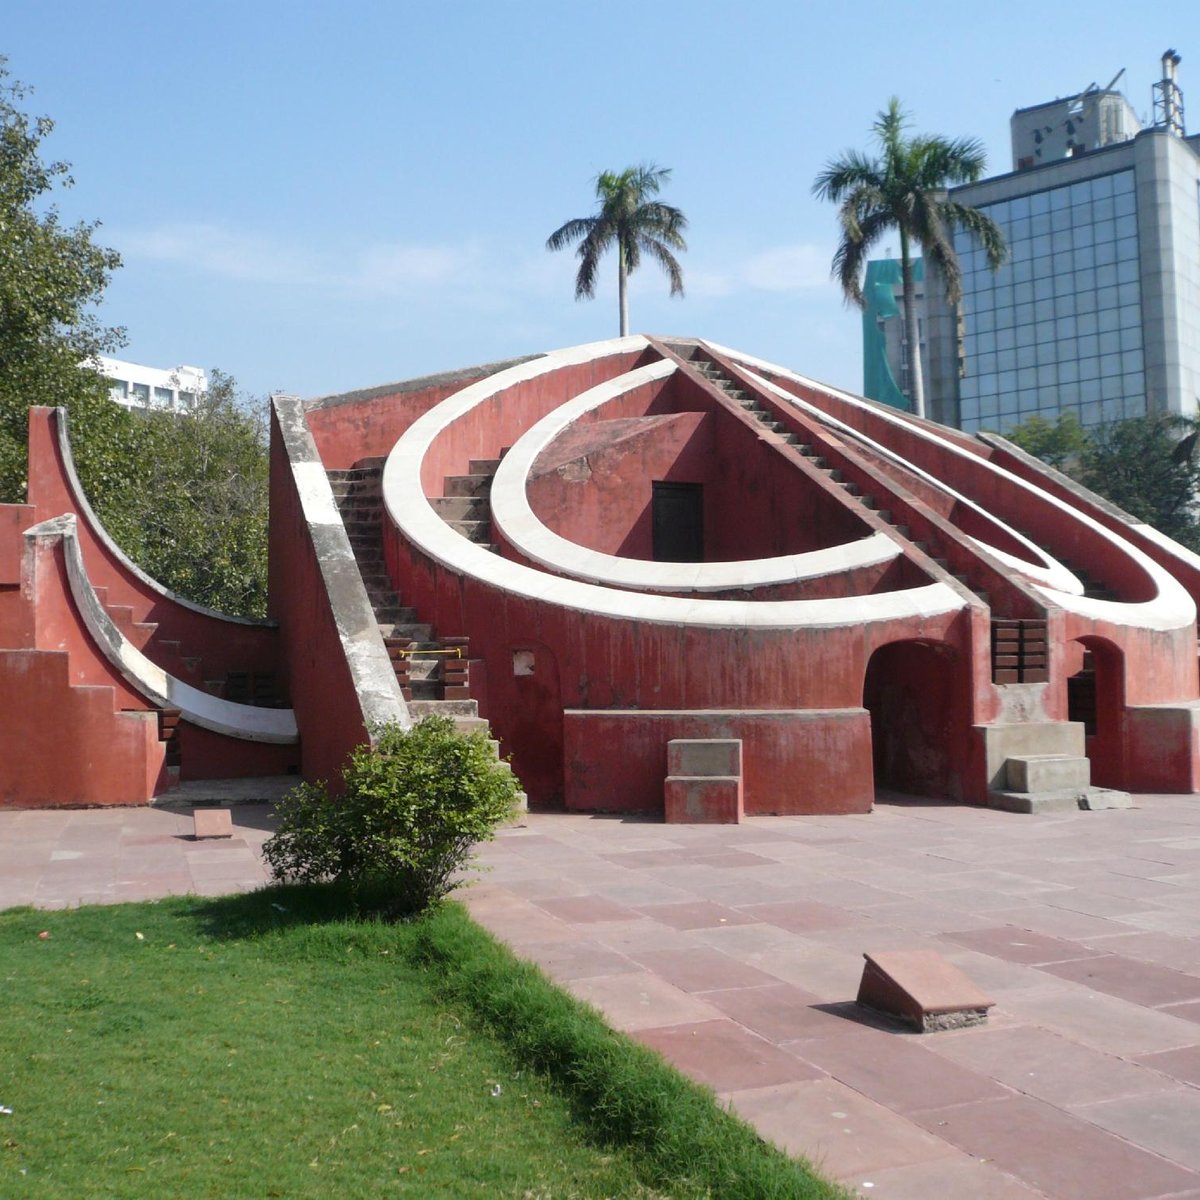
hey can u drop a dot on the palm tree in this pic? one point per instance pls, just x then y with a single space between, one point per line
905 190
634 222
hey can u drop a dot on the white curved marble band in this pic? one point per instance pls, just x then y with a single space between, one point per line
413 515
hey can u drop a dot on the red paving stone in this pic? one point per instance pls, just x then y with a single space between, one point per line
1183 1065
726 1056
1017 945
1140 982
1060 1154
700 969
736 952
695 915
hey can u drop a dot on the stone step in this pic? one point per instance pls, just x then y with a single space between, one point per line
473 531
462 508
467 485
1064 800
408 631
483 466
444 708
1047 772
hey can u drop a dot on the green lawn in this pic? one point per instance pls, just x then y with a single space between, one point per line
265 1046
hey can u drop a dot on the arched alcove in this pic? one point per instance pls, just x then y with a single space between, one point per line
918 698
1096 699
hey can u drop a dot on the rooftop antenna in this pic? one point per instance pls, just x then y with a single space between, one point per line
1168 99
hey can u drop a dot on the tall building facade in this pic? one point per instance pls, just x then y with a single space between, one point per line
1097 309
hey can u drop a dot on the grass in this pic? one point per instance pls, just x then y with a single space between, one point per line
273 1045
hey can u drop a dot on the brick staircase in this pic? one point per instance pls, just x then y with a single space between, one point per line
433 673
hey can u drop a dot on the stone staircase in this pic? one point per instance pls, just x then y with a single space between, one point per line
466 501
433 673
1039 767
766 420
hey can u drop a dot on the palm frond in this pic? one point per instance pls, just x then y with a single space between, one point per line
569 232
842 175
851 254
984 229
666 260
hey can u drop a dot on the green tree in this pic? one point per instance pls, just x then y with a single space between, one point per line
904 190
634 222
1145 465
51 277
1061 443
193 514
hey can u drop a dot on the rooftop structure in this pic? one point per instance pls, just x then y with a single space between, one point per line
168 389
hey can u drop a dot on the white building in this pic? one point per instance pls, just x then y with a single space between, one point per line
173 389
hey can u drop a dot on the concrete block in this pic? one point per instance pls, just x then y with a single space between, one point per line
922 989
212 823
703 800
704 756
1035 802
1047 772
1005 740
1099 798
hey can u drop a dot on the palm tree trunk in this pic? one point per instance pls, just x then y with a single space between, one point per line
623 289
912 331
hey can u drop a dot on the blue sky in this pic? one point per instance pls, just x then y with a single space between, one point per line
318 198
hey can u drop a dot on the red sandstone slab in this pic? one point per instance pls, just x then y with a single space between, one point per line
959 1178
1187 1012
698 914
800 916
779 1011
921 988
1183 1064
725 1056
843 1133
1139 982
212 823
1105 1023
1168 1123
731 858
640 1000
568 960
1020 945
699 969
580 910
636 859
897 1071
1061 1155
1049 1067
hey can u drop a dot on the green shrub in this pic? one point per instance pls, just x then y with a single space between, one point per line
413 806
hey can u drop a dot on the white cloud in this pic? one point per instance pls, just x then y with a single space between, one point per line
378 269
787 268
478 275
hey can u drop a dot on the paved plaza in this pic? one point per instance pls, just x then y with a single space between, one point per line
736 951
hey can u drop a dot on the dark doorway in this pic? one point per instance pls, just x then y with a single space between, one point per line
678 513
1096 698
916 694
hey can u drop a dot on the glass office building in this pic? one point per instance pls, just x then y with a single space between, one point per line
1059 326
1097 309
